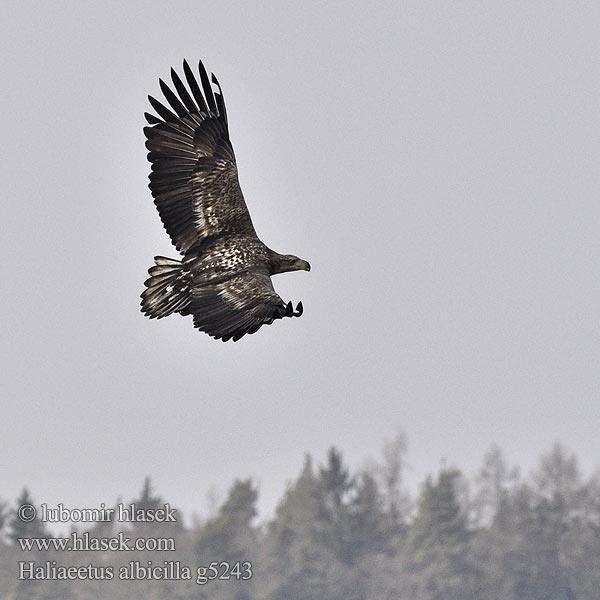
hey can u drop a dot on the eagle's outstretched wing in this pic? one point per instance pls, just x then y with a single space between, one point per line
194 176
239 305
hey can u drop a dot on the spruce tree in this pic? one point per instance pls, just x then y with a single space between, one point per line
23 529
230 535
437 558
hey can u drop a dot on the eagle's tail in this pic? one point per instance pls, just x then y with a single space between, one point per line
168 289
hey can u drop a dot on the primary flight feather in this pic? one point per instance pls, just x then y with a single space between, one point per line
224 277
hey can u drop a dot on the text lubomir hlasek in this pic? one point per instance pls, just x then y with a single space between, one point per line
130 513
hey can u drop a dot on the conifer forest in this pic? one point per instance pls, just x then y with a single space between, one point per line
335 535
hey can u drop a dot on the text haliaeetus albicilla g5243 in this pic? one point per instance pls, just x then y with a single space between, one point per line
224 277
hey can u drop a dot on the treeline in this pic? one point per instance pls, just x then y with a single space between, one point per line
338 535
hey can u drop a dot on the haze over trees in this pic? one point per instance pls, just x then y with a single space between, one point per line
343 535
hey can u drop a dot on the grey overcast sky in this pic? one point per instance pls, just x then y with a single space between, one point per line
438 164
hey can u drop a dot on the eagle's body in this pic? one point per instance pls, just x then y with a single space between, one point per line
224 278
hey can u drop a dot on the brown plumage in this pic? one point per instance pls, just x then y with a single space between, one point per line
224 278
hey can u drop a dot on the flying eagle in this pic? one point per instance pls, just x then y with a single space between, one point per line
224 277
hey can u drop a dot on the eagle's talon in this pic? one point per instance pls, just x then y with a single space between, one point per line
289 309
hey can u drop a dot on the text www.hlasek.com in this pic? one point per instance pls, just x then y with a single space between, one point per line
85 543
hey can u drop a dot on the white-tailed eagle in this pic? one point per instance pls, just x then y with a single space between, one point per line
224 277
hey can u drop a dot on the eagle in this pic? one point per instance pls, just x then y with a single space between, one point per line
224 276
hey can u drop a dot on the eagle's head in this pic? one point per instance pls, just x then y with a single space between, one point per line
283 263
